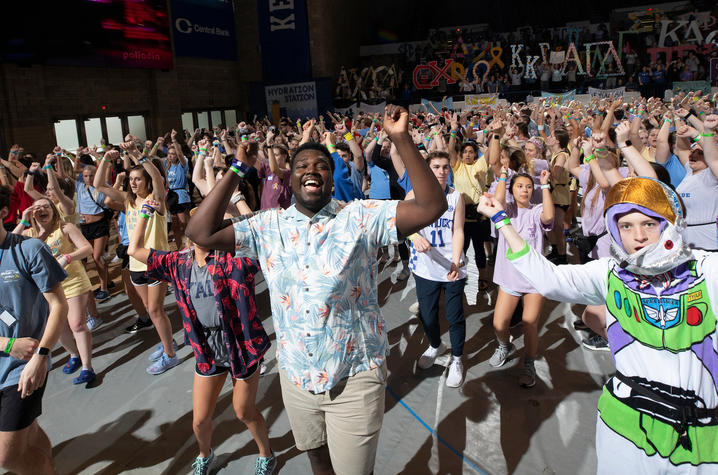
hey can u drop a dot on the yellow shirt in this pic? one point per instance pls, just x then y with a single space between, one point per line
470 180
560 194
69 218
155 234
77 281
646 153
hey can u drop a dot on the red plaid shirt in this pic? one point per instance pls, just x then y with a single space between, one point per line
233 279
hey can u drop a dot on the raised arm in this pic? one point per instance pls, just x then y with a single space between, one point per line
198 173
30 181
453 140
429 202
99 182
397 161
634 158
710 149
178 150
205 226
66 204
573 164
663 147
137 247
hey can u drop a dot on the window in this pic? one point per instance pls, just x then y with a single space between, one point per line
231 117
188 121
216 118
93 131
202 120
66 134
136 125
114 130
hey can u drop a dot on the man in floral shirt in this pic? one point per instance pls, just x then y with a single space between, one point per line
319 260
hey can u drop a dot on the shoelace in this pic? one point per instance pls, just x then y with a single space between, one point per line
200 464
262 464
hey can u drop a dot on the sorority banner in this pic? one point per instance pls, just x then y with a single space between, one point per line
204 29
284 40
474 100
607 93
448 103
560 97
687 86
299 99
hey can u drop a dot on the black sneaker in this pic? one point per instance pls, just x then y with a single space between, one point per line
111 285
101 295
579 325
595 342
139 325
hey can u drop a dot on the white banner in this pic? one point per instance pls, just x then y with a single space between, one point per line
607 93
299 99
371 108
472 100
557 57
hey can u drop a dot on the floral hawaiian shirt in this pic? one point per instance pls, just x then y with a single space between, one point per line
321 273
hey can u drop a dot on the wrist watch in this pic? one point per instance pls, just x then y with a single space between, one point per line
42 351
627 143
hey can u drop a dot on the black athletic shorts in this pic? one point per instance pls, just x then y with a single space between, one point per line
17 413
96 230
179 208
139 278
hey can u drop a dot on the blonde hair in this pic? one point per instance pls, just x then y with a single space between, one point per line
56 220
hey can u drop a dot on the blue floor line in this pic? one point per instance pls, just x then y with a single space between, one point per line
441 439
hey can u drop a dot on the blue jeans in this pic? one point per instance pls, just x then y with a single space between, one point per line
428 292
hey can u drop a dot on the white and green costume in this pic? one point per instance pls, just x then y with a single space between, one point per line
658 414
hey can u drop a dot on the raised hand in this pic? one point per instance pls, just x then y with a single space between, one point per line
710 122
396 120
623 131
488 206
545 176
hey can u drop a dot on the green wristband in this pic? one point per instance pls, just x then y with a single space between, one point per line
25 223
707 135
237 171
589 158
502 223
144 215
10 342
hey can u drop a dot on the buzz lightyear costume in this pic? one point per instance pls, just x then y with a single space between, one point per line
658 413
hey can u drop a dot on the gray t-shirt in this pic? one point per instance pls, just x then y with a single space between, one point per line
201 291
27 269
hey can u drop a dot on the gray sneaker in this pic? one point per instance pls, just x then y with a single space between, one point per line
265 465
527 379
201 465
501 354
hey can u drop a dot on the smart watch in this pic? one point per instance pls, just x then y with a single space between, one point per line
42 351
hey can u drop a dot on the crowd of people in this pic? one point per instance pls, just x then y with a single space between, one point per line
314 207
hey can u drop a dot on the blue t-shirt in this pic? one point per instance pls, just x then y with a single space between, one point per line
357 178
675 170
379 189
644 77
343 186
85 202
659 76
27 269
177 181
122 229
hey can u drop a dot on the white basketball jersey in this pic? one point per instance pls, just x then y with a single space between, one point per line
435 263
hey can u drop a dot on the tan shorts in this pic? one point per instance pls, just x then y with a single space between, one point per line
347 418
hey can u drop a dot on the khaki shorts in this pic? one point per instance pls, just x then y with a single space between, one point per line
347 418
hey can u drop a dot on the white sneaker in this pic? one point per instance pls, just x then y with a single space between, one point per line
426 360
456 373
501 355
414 308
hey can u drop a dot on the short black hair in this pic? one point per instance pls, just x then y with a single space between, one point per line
343 146
313 146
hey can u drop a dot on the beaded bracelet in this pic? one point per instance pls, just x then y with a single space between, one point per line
500 215
502 223
10 342
25 223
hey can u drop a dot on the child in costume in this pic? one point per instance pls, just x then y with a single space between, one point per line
658 413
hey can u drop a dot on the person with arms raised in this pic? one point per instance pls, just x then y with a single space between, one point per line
319 260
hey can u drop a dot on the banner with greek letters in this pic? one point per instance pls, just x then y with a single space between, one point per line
560 97
298 99
475 100
607 93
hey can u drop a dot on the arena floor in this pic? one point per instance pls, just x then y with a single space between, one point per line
131 422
